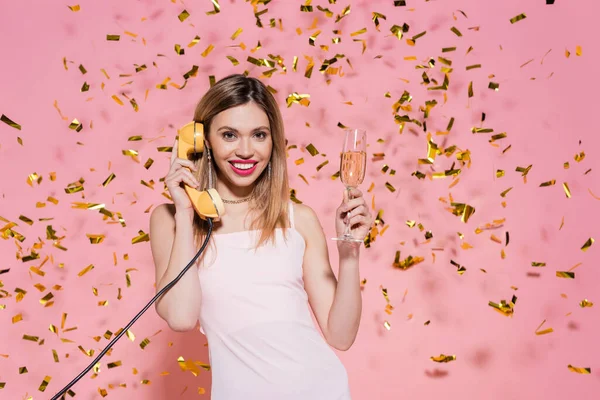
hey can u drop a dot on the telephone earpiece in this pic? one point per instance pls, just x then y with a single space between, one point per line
207 203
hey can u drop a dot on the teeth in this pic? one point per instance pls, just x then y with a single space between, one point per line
243 166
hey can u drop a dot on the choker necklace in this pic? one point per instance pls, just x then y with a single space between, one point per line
236 201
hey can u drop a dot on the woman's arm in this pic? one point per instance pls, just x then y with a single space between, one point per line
172 244
337 305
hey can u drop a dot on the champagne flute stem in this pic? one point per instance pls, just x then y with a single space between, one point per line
347 230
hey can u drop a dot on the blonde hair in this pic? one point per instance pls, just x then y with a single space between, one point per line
270 197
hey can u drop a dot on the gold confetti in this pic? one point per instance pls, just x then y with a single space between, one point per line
387 325
504 307
456 31
578 50
113 38
44 383
407 263
548 183
443 358
236 33
587 244
75 8
565 274
86 270
579 370
567 190
517 18
538 264
183 15
142 237
545 331
10 122
207 51
585 303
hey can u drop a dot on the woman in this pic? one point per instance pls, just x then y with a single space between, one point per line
268 260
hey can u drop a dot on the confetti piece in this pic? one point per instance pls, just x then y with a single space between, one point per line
545 331
443 358
585 303
565 274
183 15
586 370
505 308
113 38
10 122
578 50
567 190
587 244
75 8
517 18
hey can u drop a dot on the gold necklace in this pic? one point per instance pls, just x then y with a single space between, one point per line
236 201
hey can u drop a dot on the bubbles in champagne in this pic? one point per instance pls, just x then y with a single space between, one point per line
352 167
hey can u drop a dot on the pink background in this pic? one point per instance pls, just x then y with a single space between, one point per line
546 108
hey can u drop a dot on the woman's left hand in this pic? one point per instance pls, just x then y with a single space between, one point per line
356 209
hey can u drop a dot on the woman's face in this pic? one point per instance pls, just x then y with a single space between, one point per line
241 143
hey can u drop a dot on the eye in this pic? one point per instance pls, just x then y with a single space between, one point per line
226 135
263 135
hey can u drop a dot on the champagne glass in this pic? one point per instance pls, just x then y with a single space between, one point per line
353 164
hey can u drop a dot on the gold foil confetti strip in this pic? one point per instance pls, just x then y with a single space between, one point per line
545 331
10 122
578 50
344 12
216 8
183 15
312 149
567 190
585 303
142 237
114 364
86 270
504 307
113 38
44 383
548 183
207 51
587 244
387 325
456 31
565 274
74 8
442 358
236 33
538 264
518 18
407 263
579 370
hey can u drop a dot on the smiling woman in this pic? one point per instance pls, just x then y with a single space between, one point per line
253 298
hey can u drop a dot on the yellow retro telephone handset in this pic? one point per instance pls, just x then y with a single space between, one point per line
207 204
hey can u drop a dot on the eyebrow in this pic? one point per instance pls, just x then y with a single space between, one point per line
235 130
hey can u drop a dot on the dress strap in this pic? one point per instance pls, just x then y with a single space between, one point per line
291 212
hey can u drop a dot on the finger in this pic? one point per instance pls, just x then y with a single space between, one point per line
188 174
187 180
178 163
174 151
355 192
181 175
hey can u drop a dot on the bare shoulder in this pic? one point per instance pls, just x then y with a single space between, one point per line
162 214
306 221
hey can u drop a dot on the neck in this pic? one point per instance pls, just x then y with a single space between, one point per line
228 192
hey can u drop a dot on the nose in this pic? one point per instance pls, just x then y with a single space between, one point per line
245 149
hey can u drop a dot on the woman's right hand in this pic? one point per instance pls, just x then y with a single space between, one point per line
180 172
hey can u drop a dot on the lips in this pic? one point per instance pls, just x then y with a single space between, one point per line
243 172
